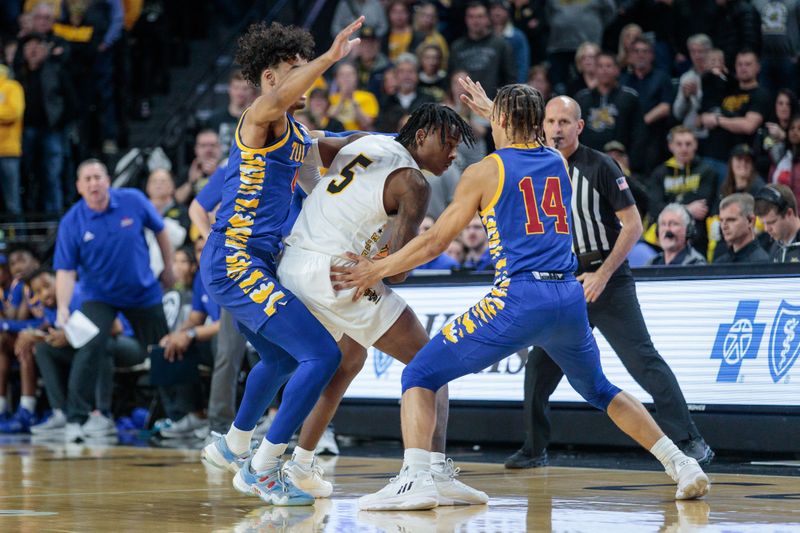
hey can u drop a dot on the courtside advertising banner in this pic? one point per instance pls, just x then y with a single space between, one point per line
729 342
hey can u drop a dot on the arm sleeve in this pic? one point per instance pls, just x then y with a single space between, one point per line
211 195
12 107
66 256
117 19
665 93
15 326
150 217
613 185
308 174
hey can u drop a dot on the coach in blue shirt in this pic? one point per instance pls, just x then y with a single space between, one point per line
101 240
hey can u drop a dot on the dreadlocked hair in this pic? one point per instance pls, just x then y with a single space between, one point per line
428 117
523 108
264 46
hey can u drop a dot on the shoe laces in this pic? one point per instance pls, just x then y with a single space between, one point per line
451 469
317 469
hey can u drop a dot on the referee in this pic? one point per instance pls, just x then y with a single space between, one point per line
602 200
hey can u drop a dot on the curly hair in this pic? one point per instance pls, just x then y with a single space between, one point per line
524 108
431 116
264 46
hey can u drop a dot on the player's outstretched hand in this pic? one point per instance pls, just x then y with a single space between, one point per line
476 98
342 45
361 275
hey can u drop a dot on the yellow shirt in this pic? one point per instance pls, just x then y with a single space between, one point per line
12 109
365 100
399 43
55 4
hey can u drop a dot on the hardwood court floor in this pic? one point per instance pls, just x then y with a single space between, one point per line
109 488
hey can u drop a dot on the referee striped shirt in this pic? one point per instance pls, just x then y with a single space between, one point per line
599 190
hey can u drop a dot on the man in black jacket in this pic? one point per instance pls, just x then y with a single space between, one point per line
612 113
50 105
486 57
407 99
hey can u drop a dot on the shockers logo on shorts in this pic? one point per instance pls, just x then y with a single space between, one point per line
737 341
381 362
784 341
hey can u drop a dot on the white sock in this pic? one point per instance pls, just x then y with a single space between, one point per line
665 451
3 404
237 440
303 457
268 455
438 460
28 403
417 460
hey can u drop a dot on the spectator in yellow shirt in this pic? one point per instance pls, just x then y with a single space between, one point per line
354 108
12 109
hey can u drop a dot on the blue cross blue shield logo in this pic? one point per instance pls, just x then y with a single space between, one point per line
784 341
381 362
737 341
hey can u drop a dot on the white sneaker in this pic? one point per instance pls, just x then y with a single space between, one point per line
183 428
98 425
327 444
692 481
73 432
451 491
405 492
308 478
54 425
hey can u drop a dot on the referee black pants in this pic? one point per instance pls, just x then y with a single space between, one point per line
619 318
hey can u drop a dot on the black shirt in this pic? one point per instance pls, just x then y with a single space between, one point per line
599 190
789 253
35 115
615 116
736 104
752 253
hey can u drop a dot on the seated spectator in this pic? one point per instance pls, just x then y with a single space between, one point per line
426 23
407 99
611 112
12 108
54 355
480 127
654 88
388 86
477 243
737 221
444 261
316 113
685 179
349 10
500 15
487 58
686 107
785 156
192 340
369 61
224 120
742 112
586 66
432 76
539 79
776 205
675 230
628 34
161 193
776 129
401 37
207 156
457 251
742 175
18 314
354 108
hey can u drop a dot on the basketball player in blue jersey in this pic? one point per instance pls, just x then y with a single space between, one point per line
523 193
238 264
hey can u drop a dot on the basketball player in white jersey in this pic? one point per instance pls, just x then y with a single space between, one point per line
369 181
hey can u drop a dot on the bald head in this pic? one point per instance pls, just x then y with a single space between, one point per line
563 104
563 124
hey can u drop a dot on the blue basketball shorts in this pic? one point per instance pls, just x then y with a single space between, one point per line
518 312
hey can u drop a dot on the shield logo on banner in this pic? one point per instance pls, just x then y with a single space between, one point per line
381 361
784 342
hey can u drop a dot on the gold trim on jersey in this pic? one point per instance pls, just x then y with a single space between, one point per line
501 175
524 146
266 149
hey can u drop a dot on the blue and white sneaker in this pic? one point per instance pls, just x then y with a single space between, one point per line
217 454
271 486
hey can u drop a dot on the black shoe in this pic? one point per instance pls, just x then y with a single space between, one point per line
697 449
523 459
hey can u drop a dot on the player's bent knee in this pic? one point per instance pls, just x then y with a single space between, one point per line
414 376
597 393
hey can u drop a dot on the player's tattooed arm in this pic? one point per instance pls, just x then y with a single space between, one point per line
406 193
477 186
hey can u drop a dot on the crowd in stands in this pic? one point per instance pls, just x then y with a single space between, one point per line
695 101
